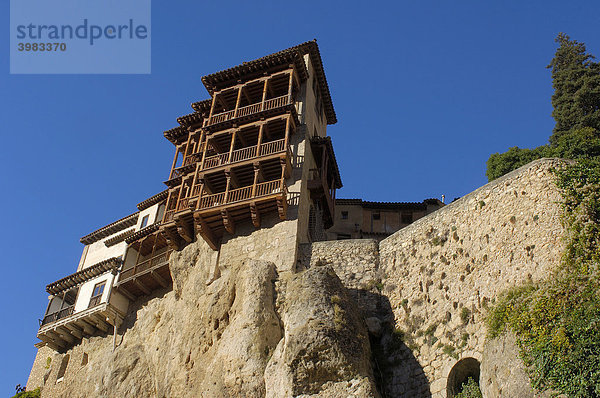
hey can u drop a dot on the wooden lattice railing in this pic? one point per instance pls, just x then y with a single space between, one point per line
247 110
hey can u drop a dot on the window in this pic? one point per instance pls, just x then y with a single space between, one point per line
97 294
376 215
344 215
145 220
407 218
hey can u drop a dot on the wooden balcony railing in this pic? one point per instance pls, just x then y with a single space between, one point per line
169 215
272 147
215 161
241 194
55 316
236 195
94 301
211 200
243 154
268 148
153 262
250 109
191 159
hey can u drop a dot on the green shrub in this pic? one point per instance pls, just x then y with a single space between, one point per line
29 394
470 389
557 322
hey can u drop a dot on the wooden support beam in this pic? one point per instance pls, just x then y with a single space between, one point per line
184 229
65 334
232 145
75 330
228 221
86 327
255 214
159 279
126 293
237 101
205 231
141 285
91 322
282 207
173 239
260 134
264 94
100 323
55 343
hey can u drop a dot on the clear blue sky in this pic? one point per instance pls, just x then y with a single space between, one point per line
424 93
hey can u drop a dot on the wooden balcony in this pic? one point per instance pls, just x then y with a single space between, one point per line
145 276
65 328
244 154
212 214
244 112
55 316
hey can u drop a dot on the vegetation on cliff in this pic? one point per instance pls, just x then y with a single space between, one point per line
557 322
576 102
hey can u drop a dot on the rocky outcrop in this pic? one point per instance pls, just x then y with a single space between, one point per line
243 331
325 350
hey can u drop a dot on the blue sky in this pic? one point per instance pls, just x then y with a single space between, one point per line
424 93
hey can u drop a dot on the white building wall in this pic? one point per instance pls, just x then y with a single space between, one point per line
87 289
97 252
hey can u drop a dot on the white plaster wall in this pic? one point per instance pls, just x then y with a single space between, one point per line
98 251
86 290
151 212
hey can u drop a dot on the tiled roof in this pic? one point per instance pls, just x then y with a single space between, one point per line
84 275
176 135
219 80
389 205
142 232
110 229
152 200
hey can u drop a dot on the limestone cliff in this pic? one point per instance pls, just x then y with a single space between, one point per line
243 331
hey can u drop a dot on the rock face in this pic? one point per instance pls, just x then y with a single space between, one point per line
325 350
502 372
225 333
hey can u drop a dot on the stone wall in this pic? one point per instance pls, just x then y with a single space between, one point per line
423 292
443 271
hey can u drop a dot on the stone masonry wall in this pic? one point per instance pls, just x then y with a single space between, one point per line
442 271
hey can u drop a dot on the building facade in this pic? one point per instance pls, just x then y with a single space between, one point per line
359 219
252 159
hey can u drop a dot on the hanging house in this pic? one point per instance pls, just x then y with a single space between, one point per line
255 149
234 155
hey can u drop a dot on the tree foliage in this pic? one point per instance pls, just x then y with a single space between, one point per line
576 103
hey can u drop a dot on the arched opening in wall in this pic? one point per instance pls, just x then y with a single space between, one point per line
63 368
461 372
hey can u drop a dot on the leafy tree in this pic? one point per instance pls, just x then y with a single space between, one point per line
576 82
576 102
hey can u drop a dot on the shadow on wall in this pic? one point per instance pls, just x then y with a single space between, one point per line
397 371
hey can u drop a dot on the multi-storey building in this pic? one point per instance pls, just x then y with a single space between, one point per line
94 299
359 219
254 155
235 156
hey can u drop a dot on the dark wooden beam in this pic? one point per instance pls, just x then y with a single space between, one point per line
159 279
205 231
75 330
228 222
282 207
126 293
255 214
184 229
173 239
141 285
